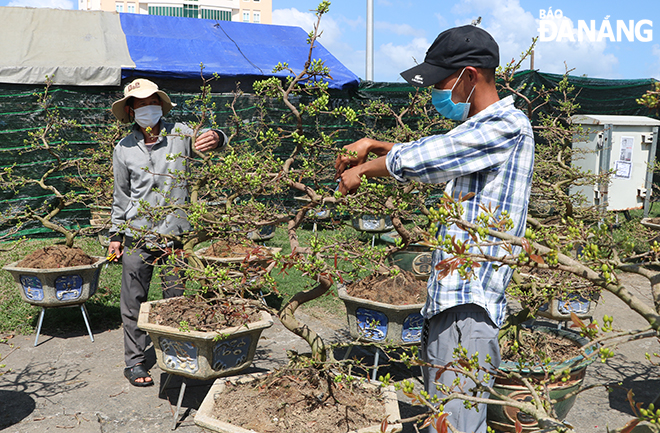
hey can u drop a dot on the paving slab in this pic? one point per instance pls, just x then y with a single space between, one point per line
68 383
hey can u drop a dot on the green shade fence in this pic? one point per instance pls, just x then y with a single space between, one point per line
90 107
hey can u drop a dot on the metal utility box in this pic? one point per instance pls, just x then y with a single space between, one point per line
624 145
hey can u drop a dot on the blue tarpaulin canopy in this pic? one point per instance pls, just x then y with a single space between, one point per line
174 47
84 48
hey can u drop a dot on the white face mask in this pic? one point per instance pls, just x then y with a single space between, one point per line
148 117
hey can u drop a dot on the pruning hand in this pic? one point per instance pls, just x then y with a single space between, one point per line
353 154
115 251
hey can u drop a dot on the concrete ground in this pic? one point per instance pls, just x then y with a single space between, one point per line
68 383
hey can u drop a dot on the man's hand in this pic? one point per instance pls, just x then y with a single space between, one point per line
116 249
352 178
354 154
208 141
350 181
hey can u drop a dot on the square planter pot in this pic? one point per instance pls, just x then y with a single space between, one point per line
377 322
204 417
561 309
322 214
263 234
261 260
56 287
203 355
372 224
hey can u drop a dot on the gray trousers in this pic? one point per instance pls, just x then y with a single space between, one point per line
137 271
469 326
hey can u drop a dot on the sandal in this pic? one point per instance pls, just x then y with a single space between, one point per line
138 372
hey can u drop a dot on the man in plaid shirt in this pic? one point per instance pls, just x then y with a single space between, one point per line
490 154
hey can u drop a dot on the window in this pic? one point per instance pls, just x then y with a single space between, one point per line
190 11
210 14
165 10
246 16
119 7
131 8
256 17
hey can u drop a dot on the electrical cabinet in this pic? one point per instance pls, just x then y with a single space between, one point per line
623 145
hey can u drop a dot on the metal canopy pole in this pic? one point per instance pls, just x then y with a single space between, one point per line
370 41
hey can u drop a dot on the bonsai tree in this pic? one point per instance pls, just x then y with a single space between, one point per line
60 159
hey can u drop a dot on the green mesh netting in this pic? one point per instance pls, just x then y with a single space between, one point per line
91 108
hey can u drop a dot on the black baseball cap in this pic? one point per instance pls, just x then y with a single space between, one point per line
452 50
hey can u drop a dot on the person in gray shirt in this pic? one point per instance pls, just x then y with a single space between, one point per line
141 163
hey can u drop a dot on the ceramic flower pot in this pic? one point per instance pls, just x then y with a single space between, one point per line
652 223
372 224
263 234
203 355
377 322
260 258
57 287
504 418
415 258
561 309
204 417
320 214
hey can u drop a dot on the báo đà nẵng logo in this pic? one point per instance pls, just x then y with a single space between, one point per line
555 26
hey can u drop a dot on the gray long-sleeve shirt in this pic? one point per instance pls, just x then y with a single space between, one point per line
148 174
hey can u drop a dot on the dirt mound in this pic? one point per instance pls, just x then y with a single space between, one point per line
56 256
403 289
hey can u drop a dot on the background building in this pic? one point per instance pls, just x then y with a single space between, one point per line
247 11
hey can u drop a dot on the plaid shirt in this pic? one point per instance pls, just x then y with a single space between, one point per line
492 155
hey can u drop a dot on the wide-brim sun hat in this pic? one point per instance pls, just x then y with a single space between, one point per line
140 88
453 50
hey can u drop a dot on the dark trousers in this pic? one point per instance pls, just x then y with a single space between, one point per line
469 326
137 270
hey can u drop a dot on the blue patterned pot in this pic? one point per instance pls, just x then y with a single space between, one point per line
203 355
57 287
377 322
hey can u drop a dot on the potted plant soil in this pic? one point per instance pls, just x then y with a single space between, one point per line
230 253
300 400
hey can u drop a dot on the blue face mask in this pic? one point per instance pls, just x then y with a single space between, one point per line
441 99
